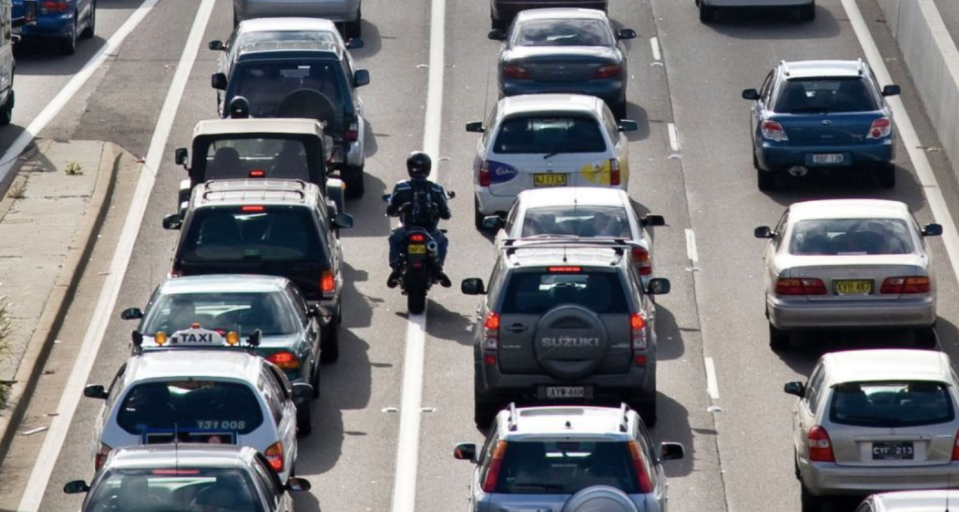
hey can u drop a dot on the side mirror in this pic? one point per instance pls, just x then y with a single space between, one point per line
450 194
654 220
297 484
658 286
343 221
493 222
131 314
76 487
172 221
302 391
181 155
628 125
671 451
95 391
932 230
386 197
361 77
355 44
475 127
764 232
795 388
497 35
751 94
16 38
465 451
626 33
891 90
473 286
218 81
216 45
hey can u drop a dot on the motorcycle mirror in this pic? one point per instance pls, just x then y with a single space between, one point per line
386 198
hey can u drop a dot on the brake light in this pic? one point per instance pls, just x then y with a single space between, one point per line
416 237
353 133
514 71
491 331
643 478
637 330
101 456
820 449
252 208
285 360
906 285
48 7
492 475
565 270
614 175
328 283
774 131
610 71
257 173
484 177
955 448
880 128
800 286
644 262
274 454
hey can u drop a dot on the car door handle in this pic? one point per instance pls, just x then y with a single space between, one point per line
517 328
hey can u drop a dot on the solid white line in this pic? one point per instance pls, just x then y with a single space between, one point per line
654 45
712 385
691 251
927 178
70 89
407 451
673 137
53 443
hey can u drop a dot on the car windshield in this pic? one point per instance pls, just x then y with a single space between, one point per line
181 489
259 39
252 233
565 467
535 293
846 237
189 411
579 221
550 135
891 404
266 84
562 32
242 313
814 95
257 158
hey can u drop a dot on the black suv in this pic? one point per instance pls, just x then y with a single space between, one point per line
565 322
301 79
270 227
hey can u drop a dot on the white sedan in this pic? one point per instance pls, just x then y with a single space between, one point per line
848 264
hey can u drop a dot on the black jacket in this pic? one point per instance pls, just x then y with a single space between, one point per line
401 203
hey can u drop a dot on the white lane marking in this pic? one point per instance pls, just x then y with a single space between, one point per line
673 137
50 451
712 385
654 46
691 251
70 89
927 178
407 451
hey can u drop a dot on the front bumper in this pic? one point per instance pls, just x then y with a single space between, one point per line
781 155
335 10
830 479
852 314
610 91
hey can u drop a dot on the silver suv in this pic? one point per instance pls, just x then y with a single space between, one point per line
538 458
565 322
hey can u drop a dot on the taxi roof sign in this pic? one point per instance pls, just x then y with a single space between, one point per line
196 337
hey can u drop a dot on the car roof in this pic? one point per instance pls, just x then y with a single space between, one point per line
181 454
238 192
538 103
916 501
299 49
224 283
228 364
566 420
293 126
886 364
560 12
563 253
848 209
823 68
285 24
565 196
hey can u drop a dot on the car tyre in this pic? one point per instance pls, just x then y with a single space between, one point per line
484 411
496 24
809 502
926 338
887 176
706 13
330 343
620 110
68 45
236 18
765 180
304 420
477 215
91 23
778 339
756 161
808 12
353 178
315 381
6 111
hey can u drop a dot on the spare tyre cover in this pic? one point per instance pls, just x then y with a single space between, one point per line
570 342
600 498
307 103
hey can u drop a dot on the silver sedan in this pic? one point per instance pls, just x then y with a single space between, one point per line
339 11
848 264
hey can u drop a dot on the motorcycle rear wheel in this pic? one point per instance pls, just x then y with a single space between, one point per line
416 300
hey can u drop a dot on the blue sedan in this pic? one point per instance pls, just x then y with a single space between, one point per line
64 21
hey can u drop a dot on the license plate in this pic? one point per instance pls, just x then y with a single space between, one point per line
549 180
853 287
416 248
893 451
559 392
827 159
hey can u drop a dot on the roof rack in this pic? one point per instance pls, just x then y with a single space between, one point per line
513 417
624 417
301 192
861 66
783 64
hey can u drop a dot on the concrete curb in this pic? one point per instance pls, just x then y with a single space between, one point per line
58 303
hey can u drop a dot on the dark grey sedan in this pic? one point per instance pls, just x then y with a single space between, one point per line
564 50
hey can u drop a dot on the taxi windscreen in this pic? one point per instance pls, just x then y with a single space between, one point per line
242 313
174 489
274 158
252 234
185 408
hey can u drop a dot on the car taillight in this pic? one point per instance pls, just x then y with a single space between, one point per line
252 208
48 7
514 71
492 474
955 448
880 128
610 71
614 176
101 456
820 449
285 360
643 261
774 131
491 331
484 177
416 237
637 330
327 283
800 286
257 173
274 454
643 478
353 133
905 285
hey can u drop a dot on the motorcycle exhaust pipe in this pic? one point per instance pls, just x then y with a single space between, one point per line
798 171
431 246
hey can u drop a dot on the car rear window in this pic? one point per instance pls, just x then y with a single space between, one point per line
191 410
223 312
257 158
252 233
826 95
172 489
580 221
565 467
838 237
562 32
266 84
555 135
535 293
891 404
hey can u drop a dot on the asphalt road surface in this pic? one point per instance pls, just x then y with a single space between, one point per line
738 454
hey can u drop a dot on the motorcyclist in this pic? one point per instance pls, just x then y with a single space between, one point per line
421 203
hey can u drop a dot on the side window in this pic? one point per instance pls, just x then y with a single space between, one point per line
612 127
272 394
268 480
286 389
487 453
489 124
495 282
299 303
781 227
115 388
636 283
814 388
511 218
767 87
865 507
646 446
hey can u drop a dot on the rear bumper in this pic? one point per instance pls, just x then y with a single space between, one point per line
49 25
337 11
755 3
506 10
781 156
610 91
638 380
789 315
830 479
